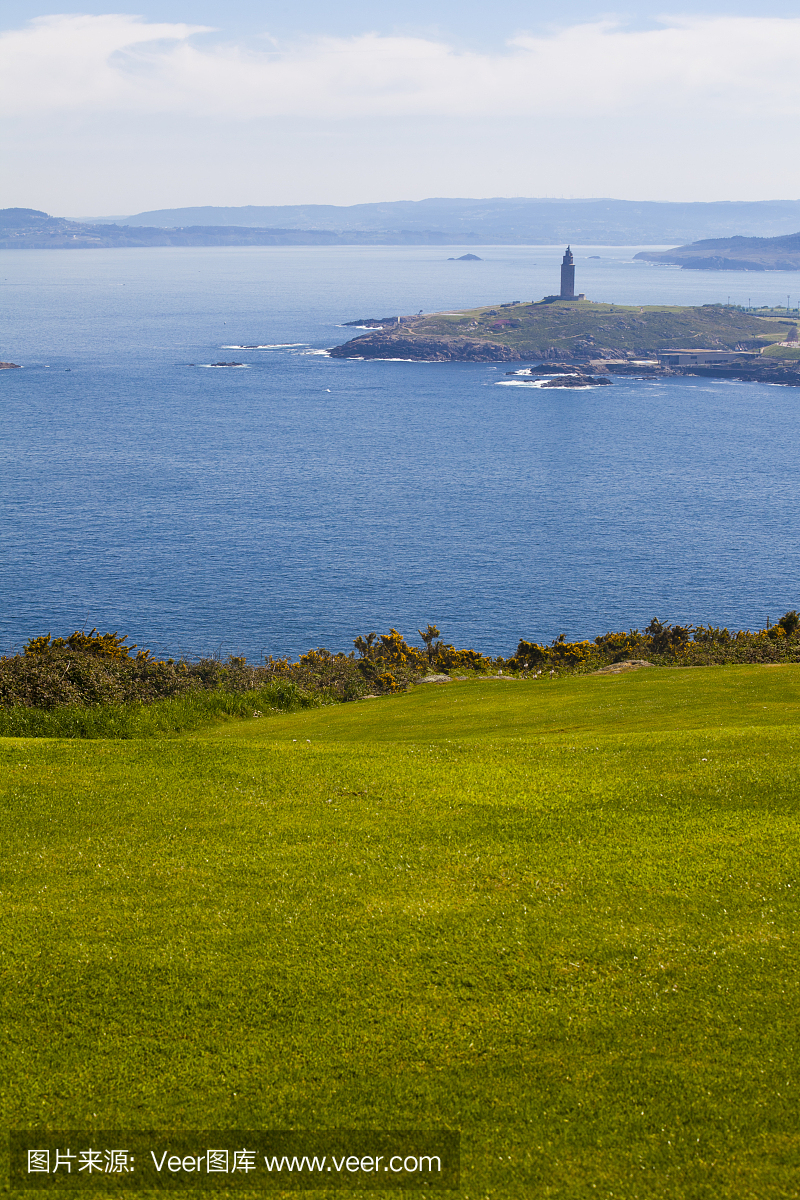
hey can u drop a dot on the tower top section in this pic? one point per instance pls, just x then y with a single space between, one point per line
568 276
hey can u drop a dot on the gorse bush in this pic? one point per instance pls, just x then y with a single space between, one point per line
666 638
666 645
60 675
391 649
101 645
93 685
790 622
559 655
93 670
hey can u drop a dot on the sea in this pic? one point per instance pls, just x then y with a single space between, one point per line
297 501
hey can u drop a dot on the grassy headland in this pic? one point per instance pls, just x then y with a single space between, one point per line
560 917
733 254
566 330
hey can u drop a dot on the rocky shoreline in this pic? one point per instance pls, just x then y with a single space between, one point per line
586 360
770 371
421 349
598 370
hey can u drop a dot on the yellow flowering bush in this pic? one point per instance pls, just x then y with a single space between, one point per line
103 645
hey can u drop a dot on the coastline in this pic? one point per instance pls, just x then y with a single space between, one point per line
595 338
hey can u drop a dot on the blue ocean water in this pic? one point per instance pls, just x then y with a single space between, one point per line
300 500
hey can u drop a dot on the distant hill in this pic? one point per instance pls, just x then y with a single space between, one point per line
30 229
434 223
734 254
512 221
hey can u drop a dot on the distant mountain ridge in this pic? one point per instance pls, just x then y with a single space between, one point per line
420 222
30 229
510 220
733 254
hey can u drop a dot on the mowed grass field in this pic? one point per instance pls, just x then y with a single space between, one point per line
560 917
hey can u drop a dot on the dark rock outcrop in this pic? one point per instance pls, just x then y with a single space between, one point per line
375 322
575 381
552 368
422 349
763 371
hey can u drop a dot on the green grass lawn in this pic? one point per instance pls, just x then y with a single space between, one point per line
536 327
558 917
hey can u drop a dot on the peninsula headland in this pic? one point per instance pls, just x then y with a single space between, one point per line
732 254
608 337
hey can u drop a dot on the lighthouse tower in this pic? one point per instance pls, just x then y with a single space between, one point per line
568 276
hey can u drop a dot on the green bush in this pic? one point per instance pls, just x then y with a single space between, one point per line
177 715
665 645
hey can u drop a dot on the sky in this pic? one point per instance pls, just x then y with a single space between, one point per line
112 111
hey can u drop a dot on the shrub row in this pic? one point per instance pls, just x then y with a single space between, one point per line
666 645
89 682
92 670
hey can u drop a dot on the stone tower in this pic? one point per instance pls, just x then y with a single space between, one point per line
568 276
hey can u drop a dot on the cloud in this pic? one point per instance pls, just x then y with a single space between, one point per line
79 63
119 63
